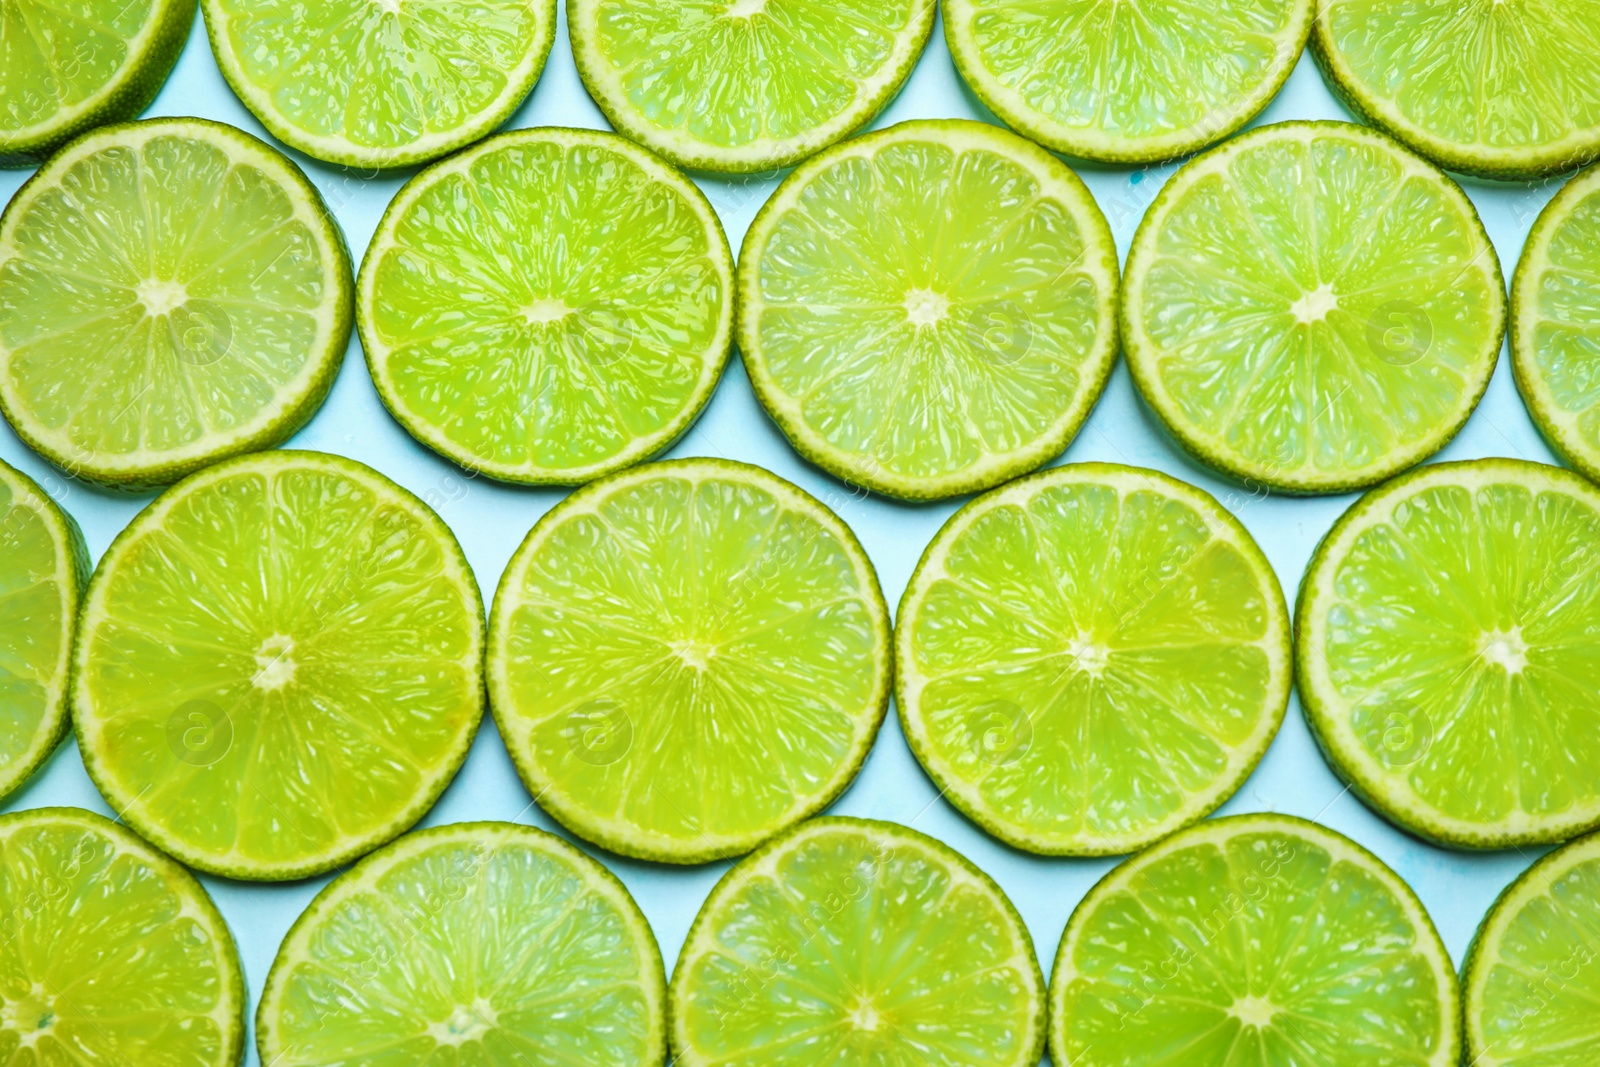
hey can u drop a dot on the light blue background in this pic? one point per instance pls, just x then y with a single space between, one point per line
491 520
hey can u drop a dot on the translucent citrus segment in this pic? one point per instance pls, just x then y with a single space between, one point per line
1312 308
1530 981
1555 323
477 943
1503 89
278 665
929 310
1448 647
172 292
43 565
380 84
1091 658
547 307
111 953
688 657
65 67
860 944
744 85
1126 83
1259 940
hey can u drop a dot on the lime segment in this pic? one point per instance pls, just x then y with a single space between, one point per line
479 943
1448 647
857 943
1091 658
688 657
278 666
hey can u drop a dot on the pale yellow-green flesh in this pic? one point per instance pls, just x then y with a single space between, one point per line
55 56
1565 338
36 608
852 948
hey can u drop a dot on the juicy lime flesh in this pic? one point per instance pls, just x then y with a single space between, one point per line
35 617
467 952
1319 304
57 56
282 665
926 306
548 305
105 959
157 294
1264 948
1566 334
689 660
850 948
1092 660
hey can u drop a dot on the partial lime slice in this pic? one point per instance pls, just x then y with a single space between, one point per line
1312 308
744 85
857 944
43 565
1530 982
688 657
1091 658
278 665
172 292
65 67
547 307
380 84
1555 323
111 953
1126 83
1448 652
477 943
1501 89
929 310
1254 940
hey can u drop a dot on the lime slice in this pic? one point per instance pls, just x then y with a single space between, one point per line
1530 981
172 292
477 943
1253 940
1126 83
1555 323
1502 89
688 657
929 310
547 307
110 953
858 944
1091 658
43 565
1312 308
380 83
278 665
1448 651
65 67
744 85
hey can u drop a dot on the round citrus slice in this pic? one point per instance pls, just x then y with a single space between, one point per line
172 292
1126 83
547 307
65 67
1501 89
857 943
1312 308
929 310
1448 652
1531 981
109 952
1555 323
1257 939
380 85
477 943
744 85
278 665
43 565
688 657
1091 658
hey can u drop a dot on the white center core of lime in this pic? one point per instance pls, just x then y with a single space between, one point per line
924 307
161 297
391 6
30 1017
465 1024
1315 305
743 9
694 654
866 1017
546 311
1254 1011
1504 648
1087 656
274 668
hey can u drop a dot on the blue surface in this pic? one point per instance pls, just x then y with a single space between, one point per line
491 520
